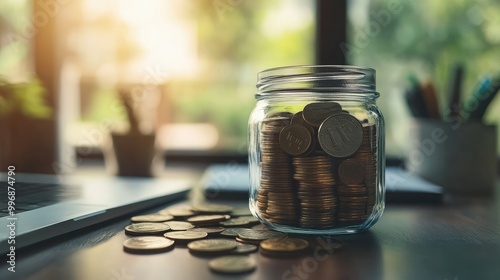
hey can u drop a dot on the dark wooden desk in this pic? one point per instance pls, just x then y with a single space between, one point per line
457 240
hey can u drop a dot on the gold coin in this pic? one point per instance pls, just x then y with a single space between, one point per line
146 229
206 219
213 209
212 246
284 245
147 244
209 230
232 264
179 225
251 234
151 218
185 235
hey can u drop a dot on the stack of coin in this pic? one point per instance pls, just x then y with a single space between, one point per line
352 192
276 198
315 191
367 154
318 168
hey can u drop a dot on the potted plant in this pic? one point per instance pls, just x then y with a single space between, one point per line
134 152
27 129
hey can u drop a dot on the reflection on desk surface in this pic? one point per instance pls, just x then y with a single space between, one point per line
459 239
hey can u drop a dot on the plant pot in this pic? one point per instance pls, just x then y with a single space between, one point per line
134 155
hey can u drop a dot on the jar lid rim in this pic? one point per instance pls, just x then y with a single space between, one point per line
331 78
314 69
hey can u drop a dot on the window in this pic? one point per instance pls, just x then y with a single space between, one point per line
426 38
15 55
197 60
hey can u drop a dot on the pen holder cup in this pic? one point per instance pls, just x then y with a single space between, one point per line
133 155
460 157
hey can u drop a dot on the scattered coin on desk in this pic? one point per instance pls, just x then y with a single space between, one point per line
232 264
256 235
213 209
232 232
185 236
178 211
212 246
148 244
179 225
242 249
235 222
211 232
151 218
208 230
146 229
278 247
206 219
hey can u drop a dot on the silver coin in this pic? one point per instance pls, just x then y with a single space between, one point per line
232 232
212 245
261 227
213 208
242 249
250 234
295 139
209 230
151 218
284 245
178 211
147 243
315 113
202 219
179 225
185 235
236 222
232 264
146 229
340 135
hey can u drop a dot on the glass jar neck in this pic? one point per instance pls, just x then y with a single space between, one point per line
349 83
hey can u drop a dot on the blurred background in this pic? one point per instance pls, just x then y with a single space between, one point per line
191 65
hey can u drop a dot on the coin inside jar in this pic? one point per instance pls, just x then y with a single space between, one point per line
315 113
295 139
351 171
340 135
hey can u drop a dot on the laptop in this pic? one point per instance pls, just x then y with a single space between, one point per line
230 181
46 206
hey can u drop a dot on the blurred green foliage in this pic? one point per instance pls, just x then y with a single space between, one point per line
426 38
25 99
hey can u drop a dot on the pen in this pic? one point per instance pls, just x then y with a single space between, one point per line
455 91
476 105
415 99
430 99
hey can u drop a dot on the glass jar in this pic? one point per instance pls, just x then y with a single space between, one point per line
316 150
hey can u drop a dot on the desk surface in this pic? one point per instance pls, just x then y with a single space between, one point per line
456 240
